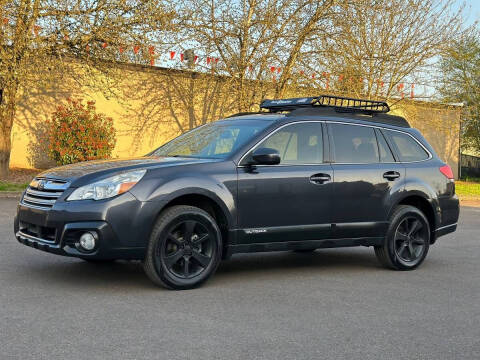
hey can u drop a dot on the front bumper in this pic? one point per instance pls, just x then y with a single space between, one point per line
123 225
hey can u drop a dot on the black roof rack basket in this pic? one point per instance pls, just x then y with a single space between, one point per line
339 103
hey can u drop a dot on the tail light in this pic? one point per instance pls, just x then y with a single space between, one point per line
446 170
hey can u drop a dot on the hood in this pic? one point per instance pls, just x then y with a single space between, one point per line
103 168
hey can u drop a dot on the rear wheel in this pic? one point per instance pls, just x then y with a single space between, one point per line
407 241
185 248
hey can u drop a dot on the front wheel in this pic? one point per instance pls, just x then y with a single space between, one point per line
407 241
185 248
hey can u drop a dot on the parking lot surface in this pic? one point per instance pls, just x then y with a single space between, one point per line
330 304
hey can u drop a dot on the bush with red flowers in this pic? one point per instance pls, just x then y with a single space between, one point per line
77 133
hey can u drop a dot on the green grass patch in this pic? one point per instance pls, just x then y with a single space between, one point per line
6 186
464 188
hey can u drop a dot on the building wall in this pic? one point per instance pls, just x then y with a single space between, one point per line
440 125
148 115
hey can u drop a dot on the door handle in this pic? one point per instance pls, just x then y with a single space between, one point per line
319 179
391 175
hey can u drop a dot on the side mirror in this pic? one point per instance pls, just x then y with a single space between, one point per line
266 156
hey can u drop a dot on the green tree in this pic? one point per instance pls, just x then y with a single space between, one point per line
460 82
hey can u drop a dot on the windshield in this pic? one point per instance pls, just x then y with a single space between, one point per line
215 140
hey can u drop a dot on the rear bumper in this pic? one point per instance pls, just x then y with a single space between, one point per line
448 214
444 230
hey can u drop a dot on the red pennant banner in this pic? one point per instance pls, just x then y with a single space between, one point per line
327 77
36 29
121 50
195 58
152 61
104 45
216 60
272 68
181 57
151 50
340 78
172 55
208 60
279 70
136 48
313 76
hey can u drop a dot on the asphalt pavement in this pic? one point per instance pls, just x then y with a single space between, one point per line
330 304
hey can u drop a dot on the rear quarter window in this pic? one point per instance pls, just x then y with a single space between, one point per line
407 147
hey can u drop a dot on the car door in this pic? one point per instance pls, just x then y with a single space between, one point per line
292 200
367 180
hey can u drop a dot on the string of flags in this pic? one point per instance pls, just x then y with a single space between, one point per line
324 77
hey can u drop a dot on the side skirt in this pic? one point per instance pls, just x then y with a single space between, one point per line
303 245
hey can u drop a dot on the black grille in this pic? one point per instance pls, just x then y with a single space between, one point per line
42 233
43 193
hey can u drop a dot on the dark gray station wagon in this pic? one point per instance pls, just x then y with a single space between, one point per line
302 174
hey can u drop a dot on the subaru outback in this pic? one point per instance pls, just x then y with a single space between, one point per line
299 175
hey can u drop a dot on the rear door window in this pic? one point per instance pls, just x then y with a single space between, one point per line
408 148
354 144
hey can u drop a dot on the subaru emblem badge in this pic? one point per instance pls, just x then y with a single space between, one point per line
41 185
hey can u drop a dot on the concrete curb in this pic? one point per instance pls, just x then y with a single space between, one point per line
10 194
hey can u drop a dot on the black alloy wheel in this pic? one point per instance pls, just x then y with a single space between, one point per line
187 250
410 239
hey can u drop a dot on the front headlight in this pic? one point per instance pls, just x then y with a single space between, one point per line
108 187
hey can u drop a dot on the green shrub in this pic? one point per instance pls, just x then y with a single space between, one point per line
77 133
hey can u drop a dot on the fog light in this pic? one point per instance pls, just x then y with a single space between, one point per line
87 241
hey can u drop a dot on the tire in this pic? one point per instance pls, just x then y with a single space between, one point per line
407 240
176 262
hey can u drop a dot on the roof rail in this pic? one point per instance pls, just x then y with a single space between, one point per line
339 103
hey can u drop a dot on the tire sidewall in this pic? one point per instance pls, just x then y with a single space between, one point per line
397 218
